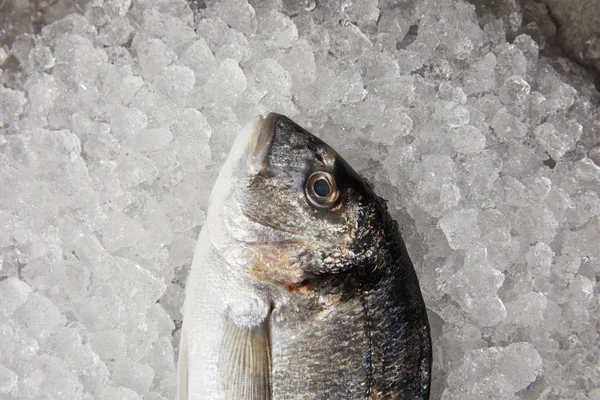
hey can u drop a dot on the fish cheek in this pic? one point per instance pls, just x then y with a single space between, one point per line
281 266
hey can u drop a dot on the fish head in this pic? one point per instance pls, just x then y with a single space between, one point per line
293 209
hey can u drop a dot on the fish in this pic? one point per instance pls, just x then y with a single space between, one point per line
301 286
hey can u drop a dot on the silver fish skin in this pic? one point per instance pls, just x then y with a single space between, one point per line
301 286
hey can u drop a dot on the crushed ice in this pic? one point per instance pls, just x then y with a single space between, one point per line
113 126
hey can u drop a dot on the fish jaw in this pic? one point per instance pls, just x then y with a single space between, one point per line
225 221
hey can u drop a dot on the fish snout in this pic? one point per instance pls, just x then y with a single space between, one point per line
260 141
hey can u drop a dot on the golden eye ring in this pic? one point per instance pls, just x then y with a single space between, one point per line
321 190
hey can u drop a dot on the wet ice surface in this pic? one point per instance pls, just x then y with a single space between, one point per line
114 127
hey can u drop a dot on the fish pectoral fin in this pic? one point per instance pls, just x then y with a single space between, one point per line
182 367
245 360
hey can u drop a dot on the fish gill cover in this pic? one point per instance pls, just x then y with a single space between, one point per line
115 123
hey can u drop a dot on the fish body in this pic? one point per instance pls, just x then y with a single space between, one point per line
301 286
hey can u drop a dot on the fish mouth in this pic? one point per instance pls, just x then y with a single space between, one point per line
260 141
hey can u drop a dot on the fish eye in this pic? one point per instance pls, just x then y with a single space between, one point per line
321 190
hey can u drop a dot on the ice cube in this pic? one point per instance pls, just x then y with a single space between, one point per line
14 293
506 126
363 13
39 317
238 14
556 142
460 228
482 76
175 83
153 56
526 310
116 33
41 58
132 375
73 24
225 84
109 345
222 40
276 29
435 179
467 139
8 380
11 105
510 62
514 94
200 59
474 288
149 140
174 32
495 372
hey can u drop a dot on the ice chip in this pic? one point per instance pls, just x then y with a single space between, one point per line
557 142
236 13
126 122
42 91
149 140
559 94
13 292
174 32
3 56
506 126
393 123
474 287
39 317
72 24
482 76
116 33
510 62
135 376
8 380
467 139
122 393
277 29
101 12
502 248
494 373
364 13
528 47
537 223
526 310
11 105
200 59
41 58
513 94
153 56
451 113
300 63
175 83
225 84
460 228
539 260
109 345
435 179
448 92
585 208
349 43
222 40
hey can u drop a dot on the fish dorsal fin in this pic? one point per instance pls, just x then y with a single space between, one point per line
245 359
